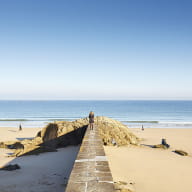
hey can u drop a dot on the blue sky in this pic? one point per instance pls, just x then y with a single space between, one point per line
96 49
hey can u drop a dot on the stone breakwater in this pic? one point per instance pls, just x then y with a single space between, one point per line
91 170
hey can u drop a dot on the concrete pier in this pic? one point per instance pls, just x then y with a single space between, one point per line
91 171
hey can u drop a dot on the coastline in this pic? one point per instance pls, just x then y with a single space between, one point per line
134 113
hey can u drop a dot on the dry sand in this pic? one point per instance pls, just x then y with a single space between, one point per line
43 173
147 169
154 170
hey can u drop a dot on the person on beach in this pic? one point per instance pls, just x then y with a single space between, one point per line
91 120
20 127
142 128
164 142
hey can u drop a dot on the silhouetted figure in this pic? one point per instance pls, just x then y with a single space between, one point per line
91 120
142 128
20 127
163 142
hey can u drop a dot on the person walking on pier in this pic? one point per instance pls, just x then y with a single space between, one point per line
91 120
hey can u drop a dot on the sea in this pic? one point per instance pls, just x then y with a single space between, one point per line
133 113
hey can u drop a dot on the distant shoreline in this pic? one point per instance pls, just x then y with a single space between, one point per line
36 123
133 113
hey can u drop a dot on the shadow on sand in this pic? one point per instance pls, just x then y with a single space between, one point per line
151 146
24 138
12 130
44 171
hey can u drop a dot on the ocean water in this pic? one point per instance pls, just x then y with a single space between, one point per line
151 114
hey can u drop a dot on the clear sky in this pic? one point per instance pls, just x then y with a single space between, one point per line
95 49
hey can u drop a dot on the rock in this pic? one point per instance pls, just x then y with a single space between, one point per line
160 146
181 152
11 145
16 145
121 186
49 135
64 133
52 136
117 186
38 134
10 167
49 132
3 145
113 130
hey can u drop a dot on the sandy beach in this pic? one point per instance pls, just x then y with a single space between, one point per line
42 173
146 169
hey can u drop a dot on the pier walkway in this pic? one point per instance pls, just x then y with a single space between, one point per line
91 171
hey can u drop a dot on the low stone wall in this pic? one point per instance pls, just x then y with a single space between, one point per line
91 171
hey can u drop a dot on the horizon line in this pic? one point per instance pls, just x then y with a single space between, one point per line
129 99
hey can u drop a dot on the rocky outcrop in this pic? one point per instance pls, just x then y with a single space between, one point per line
64 133
11 145
114 132
53 136
111 131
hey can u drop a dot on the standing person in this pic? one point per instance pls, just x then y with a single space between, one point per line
142 128
20 128
91 120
